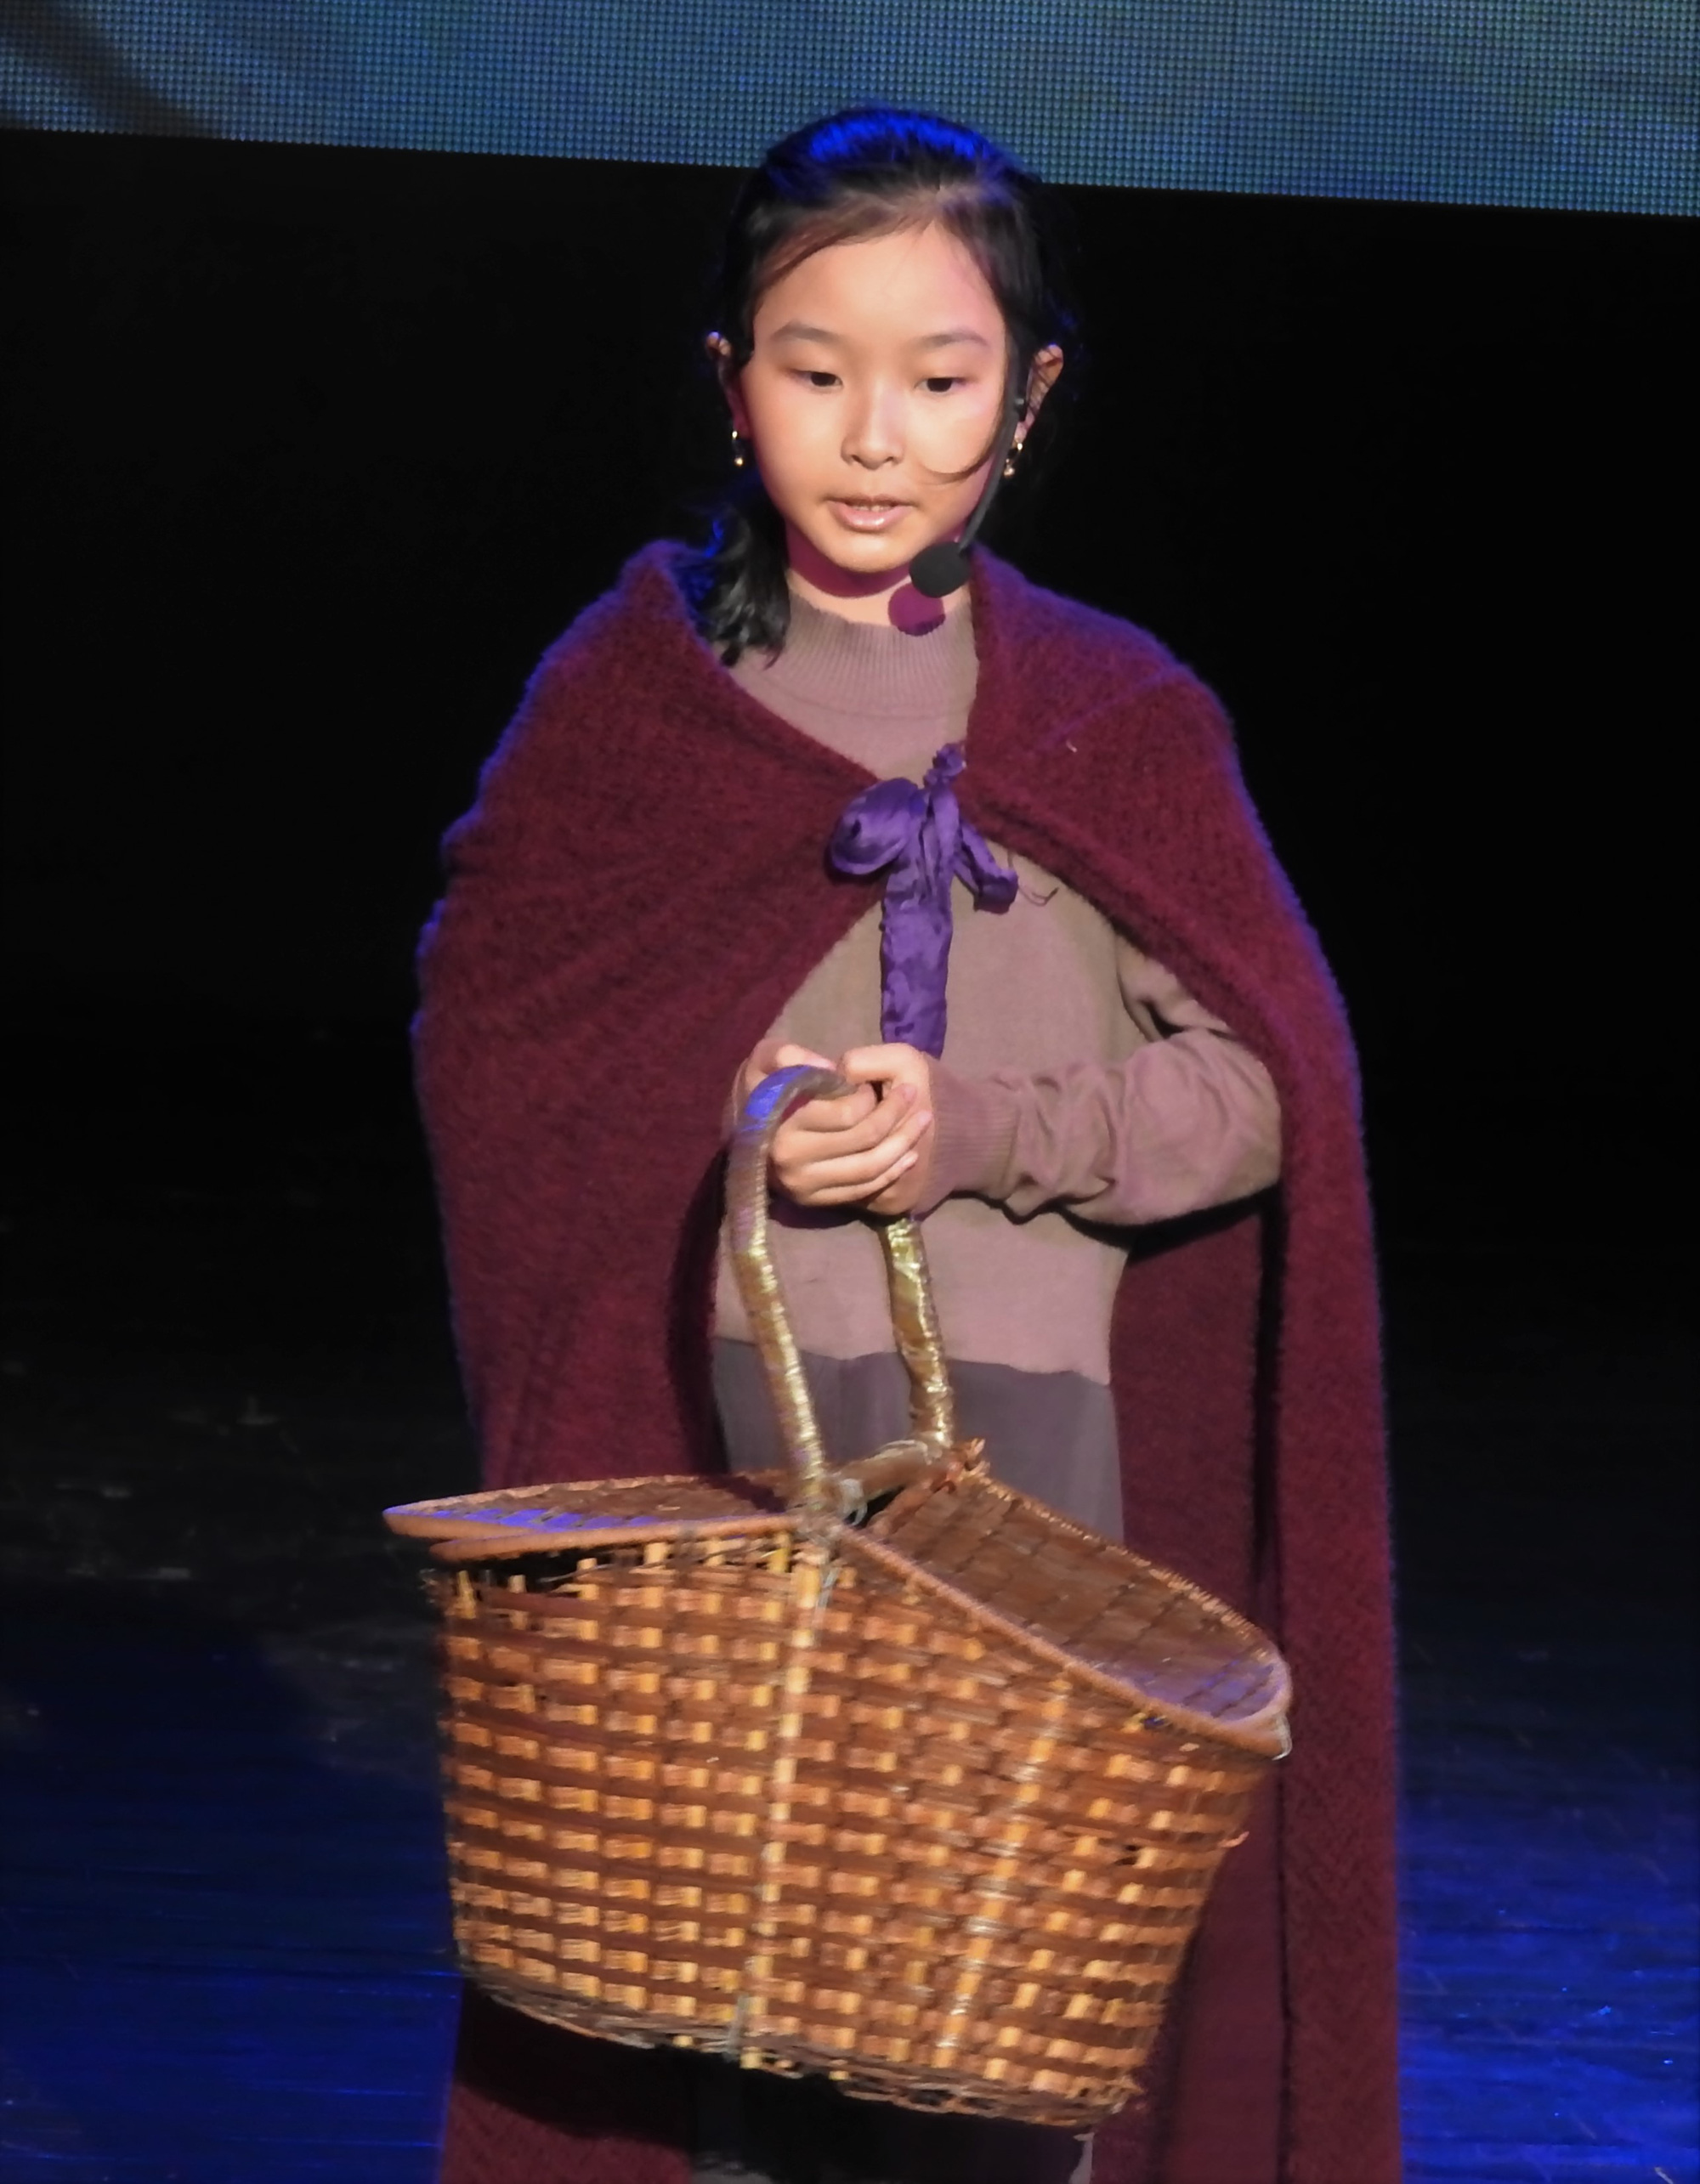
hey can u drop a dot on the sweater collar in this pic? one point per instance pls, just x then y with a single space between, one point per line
1003 653
874 670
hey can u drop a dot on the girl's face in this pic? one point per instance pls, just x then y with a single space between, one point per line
875 380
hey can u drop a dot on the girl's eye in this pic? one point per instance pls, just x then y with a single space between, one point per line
940 386
821 378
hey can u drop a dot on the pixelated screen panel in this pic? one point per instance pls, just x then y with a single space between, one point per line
1583 104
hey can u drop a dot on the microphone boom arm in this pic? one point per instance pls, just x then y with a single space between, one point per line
943 568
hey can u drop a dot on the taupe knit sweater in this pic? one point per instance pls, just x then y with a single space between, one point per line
1081 1089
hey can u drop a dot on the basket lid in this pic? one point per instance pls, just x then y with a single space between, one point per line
571 1514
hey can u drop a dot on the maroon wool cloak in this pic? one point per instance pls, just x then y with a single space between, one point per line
639 889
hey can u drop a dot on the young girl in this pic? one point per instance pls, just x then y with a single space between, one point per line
990 855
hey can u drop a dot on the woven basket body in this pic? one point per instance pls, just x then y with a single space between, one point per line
929 1801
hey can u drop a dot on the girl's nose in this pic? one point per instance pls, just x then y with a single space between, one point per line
875 436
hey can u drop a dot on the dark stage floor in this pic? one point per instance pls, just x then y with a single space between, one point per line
225 1956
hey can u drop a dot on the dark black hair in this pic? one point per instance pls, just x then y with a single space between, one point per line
860 173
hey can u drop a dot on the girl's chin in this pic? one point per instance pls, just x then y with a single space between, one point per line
855 565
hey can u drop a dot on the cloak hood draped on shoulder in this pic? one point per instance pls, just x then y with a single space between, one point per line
640 888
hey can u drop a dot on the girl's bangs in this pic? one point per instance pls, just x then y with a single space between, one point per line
862 219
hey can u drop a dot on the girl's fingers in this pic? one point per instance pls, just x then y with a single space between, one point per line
833 1118
820 1131
893 1173
776 1053
855 1176
847 1195
857 1170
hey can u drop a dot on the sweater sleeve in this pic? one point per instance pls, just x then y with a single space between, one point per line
1190 1119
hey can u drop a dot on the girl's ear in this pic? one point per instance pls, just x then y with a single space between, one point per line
720 356
1046 369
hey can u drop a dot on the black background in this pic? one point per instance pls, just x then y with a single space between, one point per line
313 450
310 452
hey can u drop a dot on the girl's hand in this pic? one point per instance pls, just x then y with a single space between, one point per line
772 1055
847 1152
906 1074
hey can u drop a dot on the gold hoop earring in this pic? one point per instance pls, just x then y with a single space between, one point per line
1009 460
737 449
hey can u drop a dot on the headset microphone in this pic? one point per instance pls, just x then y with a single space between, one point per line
940 570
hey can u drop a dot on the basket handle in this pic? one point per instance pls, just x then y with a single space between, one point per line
813 1489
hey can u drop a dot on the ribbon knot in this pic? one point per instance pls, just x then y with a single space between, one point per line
919 838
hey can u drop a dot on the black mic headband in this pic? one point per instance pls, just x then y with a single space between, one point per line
939 569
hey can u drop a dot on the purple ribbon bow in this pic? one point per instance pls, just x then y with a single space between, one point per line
919 838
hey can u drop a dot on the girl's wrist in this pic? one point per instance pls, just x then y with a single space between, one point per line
973 1130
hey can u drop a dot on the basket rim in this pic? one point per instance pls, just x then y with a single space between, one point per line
462 1539
1264 1733
454 1534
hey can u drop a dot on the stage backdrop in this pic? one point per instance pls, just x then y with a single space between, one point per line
1579 103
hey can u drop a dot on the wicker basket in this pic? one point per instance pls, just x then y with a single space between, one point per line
885 1772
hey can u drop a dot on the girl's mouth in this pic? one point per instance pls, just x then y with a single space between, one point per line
868 515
